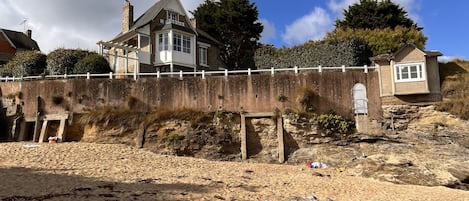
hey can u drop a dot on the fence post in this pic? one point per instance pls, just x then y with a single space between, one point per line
110 75
366 68
180 74
226 72
343 68
158 74
65 75
320 68
249 71
13 79
203 74
272 70
296 69
88 75
135 74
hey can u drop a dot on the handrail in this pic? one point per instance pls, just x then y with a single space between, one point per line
181 74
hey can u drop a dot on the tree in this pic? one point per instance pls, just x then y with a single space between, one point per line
381 41
62 61
25 64
234 23
374 14
93 63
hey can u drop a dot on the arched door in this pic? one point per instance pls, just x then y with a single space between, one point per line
360 101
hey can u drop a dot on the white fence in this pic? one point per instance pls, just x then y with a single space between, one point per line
181 74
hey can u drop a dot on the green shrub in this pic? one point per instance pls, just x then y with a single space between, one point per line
335 124
349 52
381 41
25 64
62 61
172 138
282 98
93 63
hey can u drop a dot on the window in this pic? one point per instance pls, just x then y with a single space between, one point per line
203 56
182 43
409 72
163 40
173 16
186 44
177 42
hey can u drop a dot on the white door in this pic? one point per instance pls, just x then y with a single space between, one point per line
360 102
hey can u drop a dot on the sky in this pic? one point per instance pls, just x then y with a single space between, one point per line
82 23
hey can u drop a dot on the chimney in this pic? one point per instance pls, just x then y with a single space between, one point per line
127 16
194 22
29 33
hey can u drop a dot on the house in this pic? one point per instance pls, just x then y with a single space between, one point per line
410 75
162 39
13 42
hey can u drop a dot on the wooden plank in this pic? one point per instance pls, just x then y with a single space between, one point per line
61 131
244 153
281 145
259 114
43 131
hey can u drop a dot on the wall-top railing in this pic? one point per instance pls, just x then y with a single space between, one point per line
181 74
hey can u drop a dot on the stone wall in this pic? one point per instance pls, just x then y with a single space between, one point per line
256 93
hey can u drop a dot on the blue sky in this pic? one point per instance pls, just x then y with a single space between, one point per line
445 24
80 24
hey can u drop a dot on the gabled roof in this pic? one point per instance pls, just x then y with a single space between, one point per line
393 55
20 40
152 12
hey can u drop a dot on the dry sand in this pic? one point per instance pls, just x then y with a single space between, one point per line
80 171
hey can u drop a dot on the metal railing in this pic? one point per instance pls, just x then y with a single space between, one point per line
203 74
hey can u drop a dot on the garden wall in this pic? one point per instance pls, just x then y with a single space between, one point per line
241 93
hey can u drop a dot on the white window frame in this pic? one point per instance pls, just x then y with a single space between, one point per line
163 41
177 42
186 44
409 72
203 56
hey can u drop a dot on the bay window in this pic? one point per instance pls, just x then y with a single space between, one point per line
409 72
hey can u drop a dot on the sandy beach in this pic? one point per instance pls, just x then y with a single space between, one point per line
82 171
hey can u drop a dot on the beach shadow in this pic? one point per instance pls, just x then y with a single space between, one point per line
34 184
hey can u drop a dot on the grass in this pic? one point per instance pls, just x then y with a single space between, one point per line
454 77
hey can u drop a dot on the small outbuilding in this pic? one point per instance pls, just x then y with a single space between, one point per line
410 75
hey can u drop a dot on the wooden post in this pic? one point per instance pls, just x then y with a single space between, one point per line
244 154
43 131
61 131
281 146
36 124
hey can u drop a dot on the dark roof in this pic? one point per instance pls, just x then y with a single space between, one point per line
391 56
21 40
149 15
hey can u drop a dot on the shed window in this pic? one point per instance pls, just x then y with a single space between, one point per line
409 72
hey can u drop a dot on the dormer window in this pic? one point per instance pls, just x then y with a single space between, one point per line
173 18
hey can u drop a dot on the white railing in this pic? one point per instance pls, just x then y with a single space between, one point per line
203 74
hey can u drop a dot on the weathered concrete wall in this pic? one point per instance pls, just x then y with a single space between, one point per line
256 93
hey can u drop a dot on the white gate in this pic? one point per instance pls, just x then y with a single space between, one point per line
360 102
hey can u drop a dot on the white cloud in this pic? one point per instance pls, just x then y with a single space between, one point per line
338 6
446 59
269 31
309 27
71 23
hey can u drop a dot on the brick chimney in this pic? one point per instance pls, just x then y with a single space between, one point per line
194 22
29 33
127 16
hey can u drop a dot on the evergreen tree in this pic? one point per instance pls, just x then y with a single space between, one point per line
234 23
374 14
